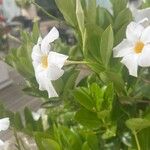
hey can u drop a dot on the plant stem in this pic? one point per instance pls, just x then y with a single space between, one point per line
44 11
137 141
68 62
13 38
17 140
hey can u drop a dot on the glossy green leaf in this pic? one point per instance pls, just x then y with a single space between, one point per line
106 45
82 96
90 11
87 118
124 17
104 18
68 9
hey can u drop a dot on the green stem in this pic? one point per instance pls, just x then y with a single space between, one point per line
13 38
44 11
69 62
17 140
137 141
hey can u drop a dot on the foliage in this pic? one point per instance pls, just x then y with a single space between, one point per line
108 109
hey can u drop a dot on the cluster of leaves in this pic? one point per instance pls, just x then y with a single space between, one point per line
106 110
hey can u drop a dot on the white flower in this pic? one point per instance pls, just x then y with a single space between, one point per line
38 114
142 16
4 145
135 49
41 113
4 124
47 64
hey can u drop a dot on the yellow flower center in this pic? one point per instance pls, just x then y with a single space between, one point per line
44 61
138 47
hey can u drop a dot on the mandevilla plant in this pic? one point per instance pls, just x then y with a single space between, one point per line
97 101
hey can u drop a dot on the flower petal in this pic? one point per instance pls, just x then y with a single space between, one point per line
54 72
144 22
36 116
39 40
131 62
4 145
123 49
144 58
134 31
141 14
45 83
145 37
36 53
57 59
40 78
49 38
51 91
4 124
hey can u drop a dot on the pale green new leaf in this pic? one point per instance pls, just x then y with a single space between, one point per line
137 124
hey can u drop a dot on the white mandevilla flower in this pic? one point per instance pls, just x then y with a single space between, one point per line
41 113
4 124
4 145
135 49
47 64
142 16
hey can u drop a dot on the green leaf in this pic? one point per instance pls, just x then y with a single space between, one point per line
80 16
91 44
118 6
35 32
30 124
137 124
116 79
68 9
84 99
71 138
124 17
97 95
111 132
144 138
50 144
96 67
108 97
93 142
90 11
18 121
85 146
104 18
87 118
120 34
106 45
70 83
